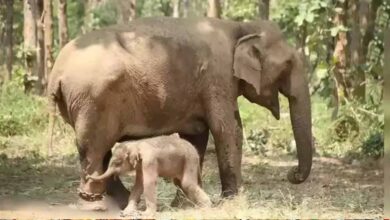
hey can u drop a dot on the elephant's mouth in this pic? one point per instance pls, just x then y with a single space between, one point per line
269 102
275 111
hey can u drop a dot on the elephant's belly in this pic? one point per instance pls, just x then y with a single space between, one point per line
189 126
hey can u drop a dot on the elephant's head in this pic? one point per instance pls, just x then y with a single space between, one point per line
266 65
124 158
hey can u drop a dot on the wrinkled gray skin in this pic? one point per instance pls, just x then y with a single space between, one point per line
163 75
166 156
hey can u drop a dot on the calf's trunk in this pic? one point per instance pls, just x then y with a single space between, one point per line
109 172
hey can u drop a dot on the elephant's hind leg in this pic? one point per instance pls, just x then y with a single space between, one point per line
200 143
194 192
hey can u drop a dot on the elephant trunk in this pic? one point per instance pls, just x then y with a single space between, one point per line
300 113
109 172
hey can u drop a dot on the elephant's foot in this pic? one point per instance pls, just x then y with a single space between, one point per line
91 201
229 193
98 205
230 182
118 192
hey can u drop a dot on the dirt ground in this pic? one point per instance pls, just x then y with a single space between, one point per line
32 187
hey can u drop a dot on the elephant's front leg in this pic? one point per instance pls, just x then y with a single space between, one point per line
225 126
150 175
114 186
135 195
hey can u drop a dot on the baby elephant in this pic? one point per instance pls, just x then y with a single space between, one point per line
165 156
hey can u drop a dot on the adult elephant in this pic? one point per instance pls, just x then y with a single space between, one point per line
162 75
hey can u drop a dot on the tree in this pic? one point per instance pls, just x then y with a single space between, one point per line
264 9
214 9
30 44
370 26
186 6
356 78
40 52
133 9
127 10
340 52
62 22
8 42
48 38
176 8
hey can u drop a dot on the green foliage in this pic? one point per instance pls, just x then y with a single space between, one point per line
76 13
20 113
357 131
155 8
375 55
305 23
257 140
373 146
309 11
264 134
354 130
240 10
104 15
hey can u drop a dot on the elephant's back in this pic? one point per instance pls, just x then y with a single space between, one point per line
173 143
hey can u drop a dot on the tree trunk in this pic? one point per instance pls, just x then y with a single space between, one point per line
176 8
340 51
30 44
48 38
133 9
264 9
186 7
40 53
369 31
126 10
356 78
2 18
2 33
62 23
8 38
214 9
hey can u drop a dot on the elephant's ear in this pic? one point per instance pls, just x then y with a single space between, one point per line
247 56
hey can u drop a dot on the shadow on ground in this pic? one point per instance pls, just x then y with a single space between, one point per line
335 188
32 177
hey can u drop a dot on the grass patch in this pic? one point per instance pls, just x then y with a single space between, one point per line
21 113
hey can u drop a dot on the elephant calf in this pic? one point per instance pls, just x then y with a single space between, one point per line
164 156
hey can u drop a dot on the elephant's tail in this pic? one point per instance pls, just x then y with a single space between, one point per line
54 92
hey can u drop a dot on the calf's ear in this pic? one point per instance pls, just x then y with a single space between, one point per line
134 158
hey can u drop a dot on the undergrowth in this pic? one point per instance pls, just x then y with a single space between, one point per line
356 132
20 113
